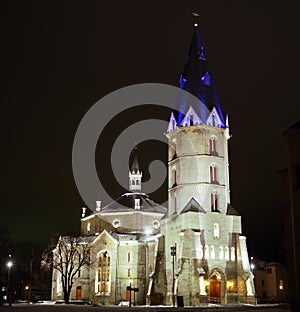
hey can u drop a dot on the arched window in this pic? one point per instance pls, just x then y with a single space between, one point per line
212 146
221 253
103 273
216 230
214 202
213 173
232 254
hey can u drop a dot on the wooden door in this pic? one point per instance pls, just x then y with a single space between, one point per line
78 293
215 291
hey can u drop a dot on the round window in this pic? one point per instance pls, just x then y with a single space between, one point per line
116 223
156 224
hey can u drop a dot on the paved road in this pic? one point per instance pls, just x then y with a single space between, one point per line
86 308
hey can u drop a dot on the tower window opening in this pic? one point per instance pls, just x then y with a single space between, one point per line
174 178
214 202
128 257
213 173
212 146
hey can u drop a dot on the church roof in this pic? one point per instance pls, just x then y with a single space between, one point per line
196 77
193 206
232 211
127 203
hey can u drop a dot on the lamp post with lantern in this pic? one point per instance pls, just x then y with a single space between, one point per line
9 265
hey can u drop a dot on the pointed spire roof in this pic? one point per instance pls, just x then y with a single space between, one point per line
196 78
135 164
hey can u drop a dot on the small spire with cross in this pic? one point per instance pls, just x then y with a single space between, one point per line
196 16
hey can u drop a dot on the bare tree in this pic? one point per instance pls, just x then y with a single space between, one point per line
67 256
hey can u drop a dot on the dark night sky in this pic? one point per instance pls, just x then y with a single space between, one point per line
60 57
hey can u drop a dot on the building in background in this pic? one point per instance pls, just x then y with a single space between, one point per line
194 250
270 280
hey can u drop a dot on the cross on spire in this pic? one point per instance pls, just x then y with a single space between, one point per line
196 16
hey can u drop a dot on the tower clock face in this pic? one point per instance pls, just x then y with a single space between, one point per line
156 224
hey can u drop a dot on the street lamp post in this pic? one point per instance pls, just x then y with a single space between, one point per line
173 254
9 265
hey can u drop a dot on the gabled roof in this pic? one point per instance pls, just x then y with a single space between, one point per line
231 211
193 206
127 203
196 78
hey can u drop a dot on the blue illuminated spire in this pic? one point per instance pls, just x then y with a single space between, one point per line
196 78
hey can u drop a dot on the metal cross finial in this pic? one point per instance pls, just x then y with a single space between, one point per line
196 15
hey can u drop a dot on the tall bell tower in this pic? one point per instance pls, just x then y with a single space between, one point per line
210 260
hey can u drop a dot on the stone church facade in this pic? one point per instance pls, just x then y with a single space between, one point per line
194 250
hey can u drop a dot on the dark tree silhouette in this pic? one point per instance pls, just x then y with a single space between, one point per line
67 256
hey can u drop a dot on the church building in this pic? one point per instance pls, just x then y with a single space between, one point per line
194 249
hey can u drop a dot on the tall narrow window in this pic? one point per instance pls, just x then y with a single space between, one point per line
104 278
128 273
216 230
175 177
214 202
212 146
128 257
213 173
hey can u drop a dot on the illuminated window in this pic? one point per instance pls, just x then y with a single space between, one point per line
227 253
221 253
212 252
216 230
206 252
137 204
212 146
103 273
88 227
213 173
281 284
232 254
214 201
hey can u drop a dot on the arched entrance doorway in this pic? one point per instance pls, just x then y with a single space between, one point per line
215 287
